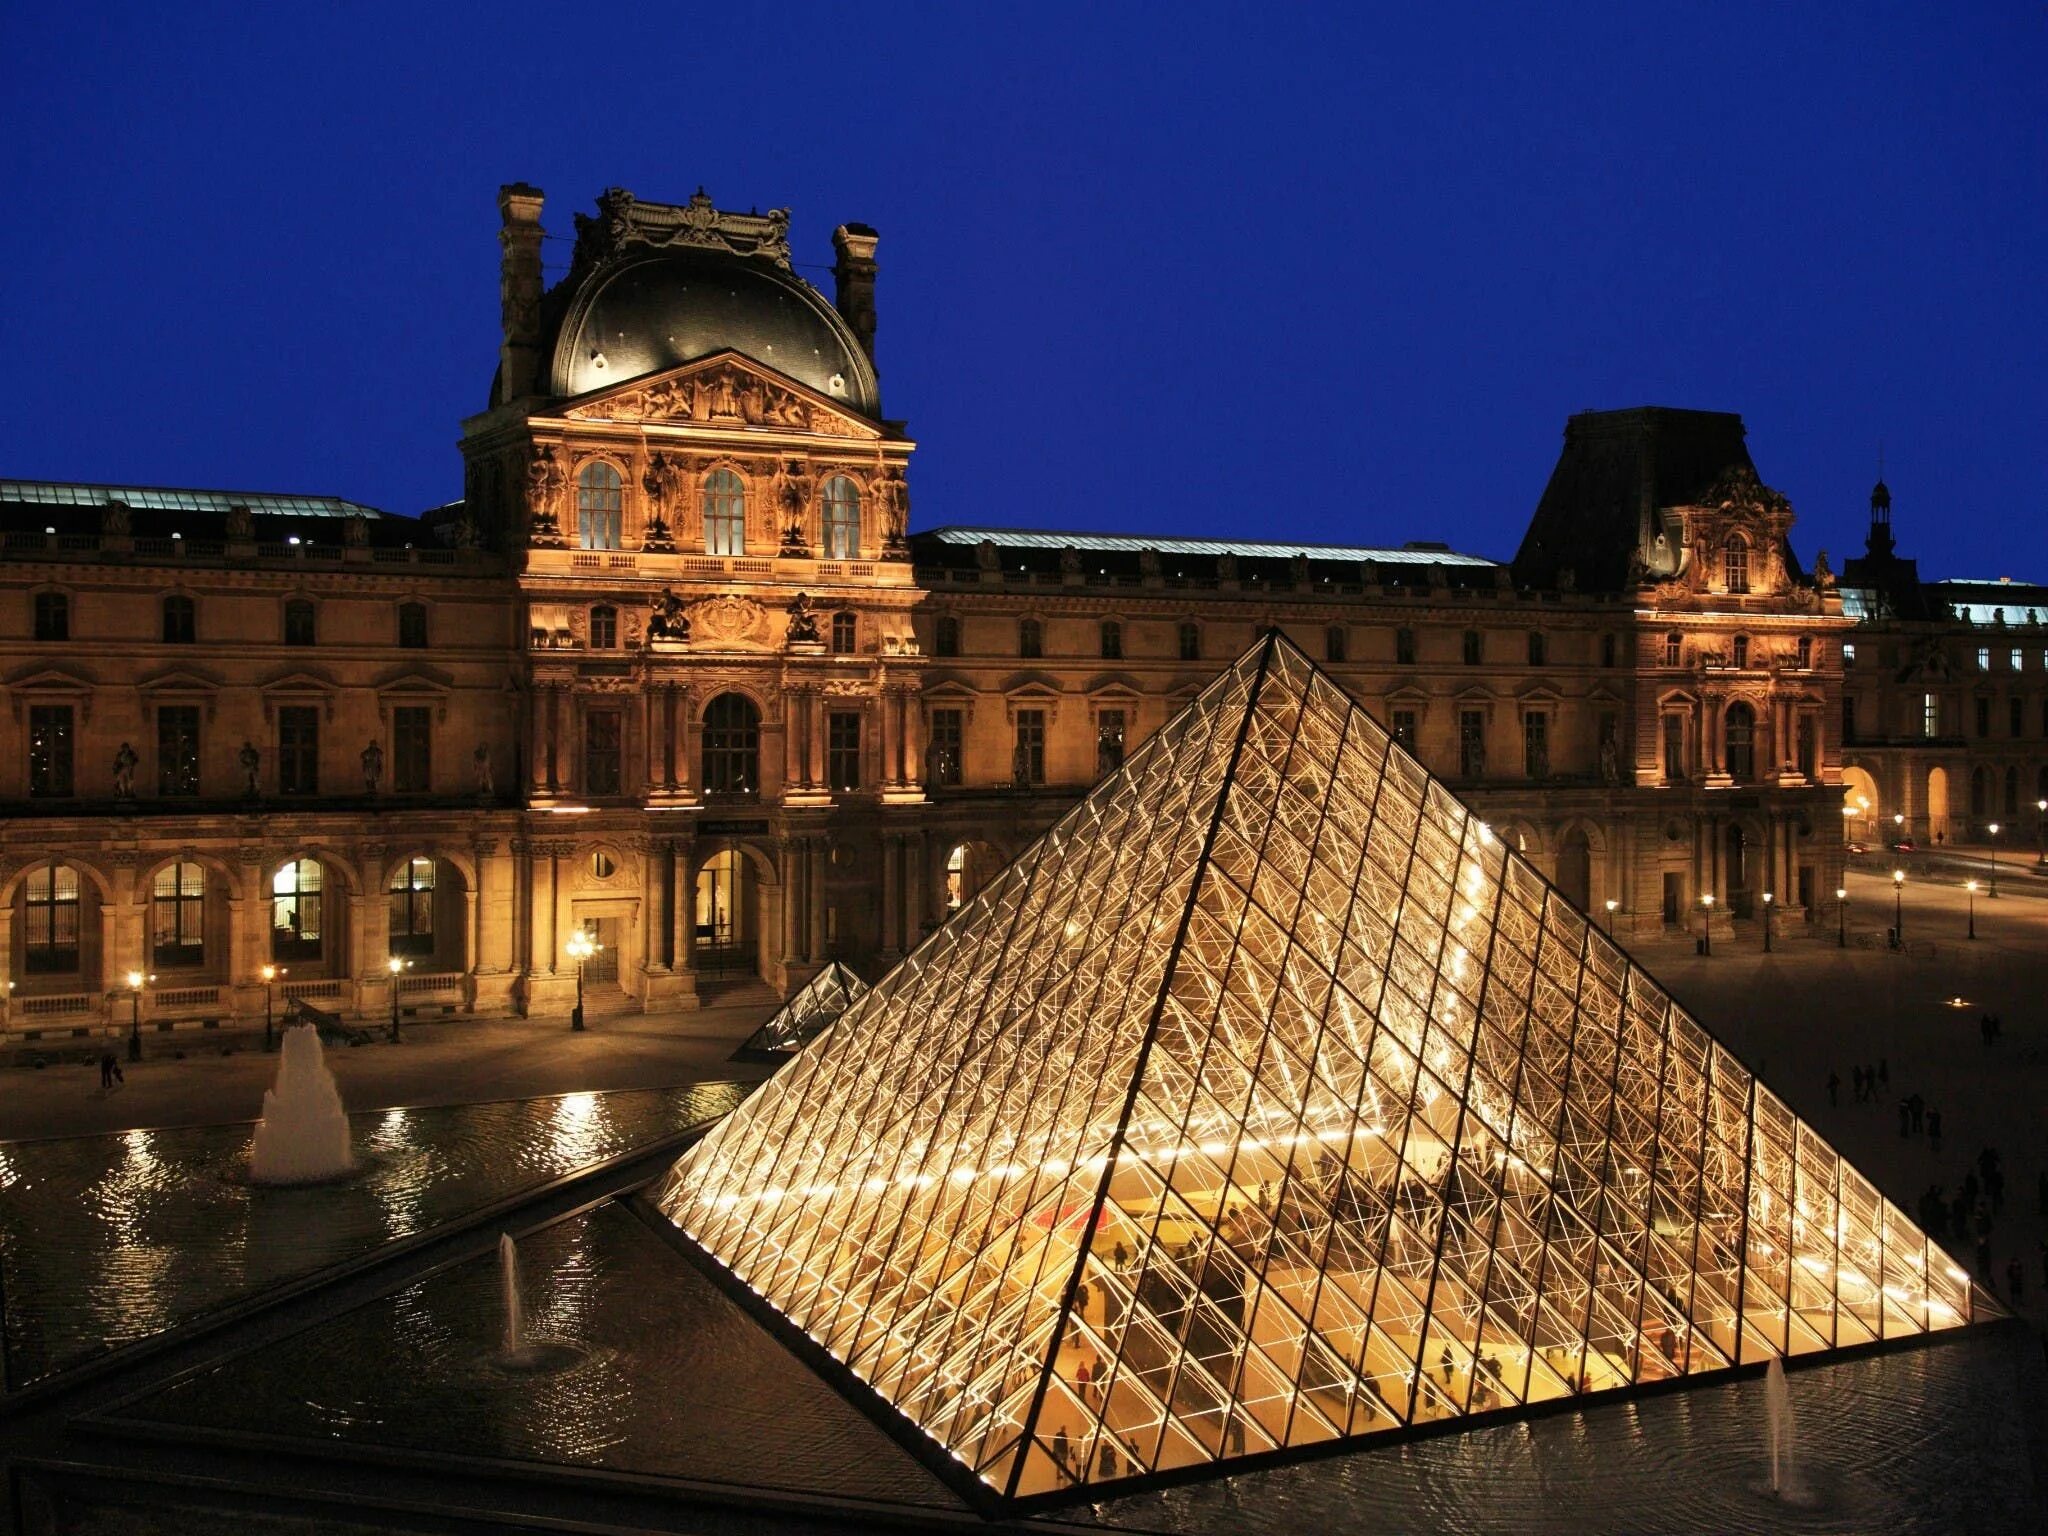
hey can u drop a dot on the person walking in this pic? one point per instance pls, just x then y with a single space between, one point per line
106 1070
1062 1449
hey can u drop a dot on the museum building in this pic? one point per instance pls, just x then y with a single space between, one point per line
675 675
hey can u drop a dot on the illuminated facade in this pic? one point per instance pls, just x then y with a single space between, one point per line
675 674
1271 1100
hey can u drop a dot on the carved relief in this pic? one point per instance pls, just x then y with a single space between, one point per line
115 520
718 392
792 491
623 224
663 483
803 622
728 618
545 480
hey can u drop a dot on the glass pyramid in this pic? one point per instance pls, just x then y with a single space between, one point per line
1269 1100
804 1017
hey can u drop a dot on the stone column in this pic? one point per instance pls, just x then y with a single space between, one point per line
668 736
814 855
814 713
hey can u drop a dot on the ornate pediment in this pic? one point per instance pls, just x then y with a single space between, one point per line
723 390
1737 505
624 225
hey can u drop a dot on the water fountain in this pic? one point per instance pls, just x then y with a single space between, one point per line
1778 1426
303 1136
514 1347
521 1354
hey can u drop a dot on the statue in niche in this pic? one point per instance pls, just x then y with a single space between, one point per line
373 767
545 478
115 520
1298 569
1070 561
1148 562
987 556
1610 761
480 764
355 530
1823 573
668 621
239 524
1226 567
124 772
803 622
250 761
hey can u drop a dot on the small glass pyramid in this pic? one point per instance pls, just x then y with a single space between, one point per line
1269 1100
803 1018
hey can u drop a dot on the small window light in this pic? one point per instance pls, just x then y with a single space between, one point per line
291 538
177 535
49 530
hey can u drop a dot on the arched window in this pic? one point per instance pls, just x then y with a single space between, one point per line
1112 639
946 637
1741 721
412 626
842 519
732 746
604 627
53 616
1030 638
412 908
298 622
295 890
599 501
1735 563
177 917
725 514
1805 652
50 944
181 620
845 631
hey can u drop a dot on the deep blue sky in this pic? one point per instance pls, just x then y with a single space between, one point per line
1338 274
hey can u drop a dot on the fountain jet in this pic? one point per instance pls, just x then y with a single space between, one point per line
1778 1425
303 1136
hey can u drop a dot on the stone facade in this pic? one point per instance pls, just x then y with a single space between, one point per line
674 673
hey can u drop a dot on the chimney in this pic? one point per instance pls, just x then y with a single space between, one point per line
519 290
854 274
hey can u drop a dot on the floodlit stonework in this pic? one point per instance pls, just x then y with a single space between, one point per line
1269 1100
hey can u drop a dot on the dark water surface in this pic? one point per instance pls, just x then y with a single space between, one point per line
108 1239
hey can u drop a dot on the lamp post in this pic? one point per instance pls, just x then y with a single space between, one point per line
1898 907
270 974
581 948
1707 925
1767 922
1611 905
135 982
1993 892
2041 831
1898 828
1841 917
398 967
1971 887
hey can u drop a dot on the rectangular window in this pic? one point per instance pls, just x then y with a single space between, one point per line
412 749
412 626
1112 640
1537 650
1983 717
177 917
1191 642
1608 650
946 637
1472 744
948 747
53 616
1475 648
2017 660
1930 715
1809 745
603 738
49 750
298 750
1536 744
1674 749
1404 647
1848 653
1404 728
1334 643
1109 741
1983 658
1027 759
50 899
2013 710
1848 720
1674 650
177 749
842 749
1030 638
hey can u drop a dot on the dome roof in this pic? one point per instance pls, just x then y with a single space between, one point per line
651 312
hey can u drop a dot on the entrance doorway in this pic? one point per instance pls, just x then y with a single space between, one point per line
603 965
725 929
1674 897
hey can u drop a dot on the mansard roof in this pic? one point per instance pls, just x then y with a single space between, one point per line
160 498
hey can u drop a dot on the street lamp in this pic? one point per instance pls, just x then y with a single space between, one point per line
1841 917
581 948
1898 908
2041 831
398 967
1767 922
1993 892
1971 887
1611 905
1707 938
270 974
135 982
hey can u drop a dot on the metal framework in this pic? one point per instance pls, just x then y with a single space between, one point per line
1269 1101
807 1015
